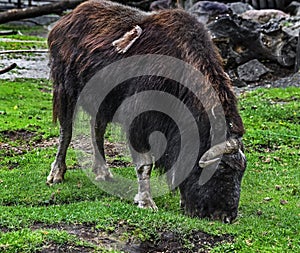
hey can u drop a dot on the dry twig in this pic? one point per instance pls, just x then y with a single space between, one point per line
9 68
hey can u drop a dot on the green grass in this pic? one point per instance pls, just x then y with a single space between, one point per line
25 104
24 40
269 216
27 30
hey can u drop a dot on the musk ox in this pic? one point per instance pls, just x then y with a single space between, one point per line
98 33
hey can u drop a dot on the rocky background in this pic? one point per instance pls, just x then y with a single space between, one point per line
258 40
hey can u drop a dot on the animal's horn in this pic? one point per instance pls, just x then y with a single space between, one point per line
227 147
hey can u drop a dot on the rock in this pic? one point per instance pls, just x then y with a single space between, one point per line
252 71
41 20
239 8
267 199
264 16
205 11
293 80
283 202
294 8
268 4
160 5
291 26
238 83
241 40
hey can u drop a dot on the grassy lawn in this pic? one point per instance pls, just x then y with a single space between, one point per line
76 215
24 40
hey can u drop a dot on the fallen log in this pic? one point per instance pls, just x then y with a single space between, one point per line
58 8
9 68
21 51
32 12
4 33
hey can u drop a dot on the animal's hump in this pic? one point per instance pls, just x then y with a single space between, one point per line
111 7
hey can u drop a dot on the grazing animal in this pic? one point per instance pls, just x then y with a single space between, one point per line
99 33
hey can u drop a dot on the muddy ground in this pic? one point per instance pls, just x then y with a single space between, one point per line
168 242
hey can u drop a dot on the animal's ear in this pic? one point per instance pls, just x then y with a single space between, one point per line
126 41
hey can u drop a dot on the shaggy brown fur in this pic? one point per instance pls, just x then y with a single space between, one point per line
81 44
87 32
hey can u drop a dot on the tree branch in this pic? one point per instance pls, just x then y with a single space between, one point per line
31 12
9 68
37 51
4 33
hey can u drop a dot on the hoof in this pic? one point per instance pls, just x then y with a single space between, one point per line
56 174
103 174
52 180
104 177
145 202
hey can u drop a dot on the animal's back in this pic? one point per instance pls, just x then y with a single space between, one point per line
90 27
82 43
79 45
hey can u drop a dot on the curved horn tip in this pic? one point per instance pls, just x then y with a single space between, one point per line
204 164
227 147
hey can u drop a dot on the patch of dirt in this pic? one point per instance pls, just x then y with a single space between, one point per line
22 134
197 241
29 140
25 140
266 148
277 71
167 241
84 232
64 248
113 150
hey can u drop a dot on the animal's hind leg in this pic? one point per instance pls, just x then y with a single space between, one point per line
58 167
144 166
100 167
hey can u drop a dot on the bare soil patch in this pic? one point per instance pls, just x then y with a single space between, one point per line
168 241
64 248
18 142
21 134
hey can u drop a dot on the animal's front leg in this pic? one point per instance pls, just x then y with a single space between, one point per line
143 198
100 168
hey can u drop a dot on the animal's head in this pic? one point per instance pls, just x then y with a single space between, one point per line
213 188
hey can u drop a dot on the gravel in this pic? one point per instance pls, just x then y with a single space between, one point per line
36 66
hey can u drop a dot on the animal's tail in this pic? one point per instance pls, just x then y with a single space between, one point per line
57 75
58 90
55 104
59 51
